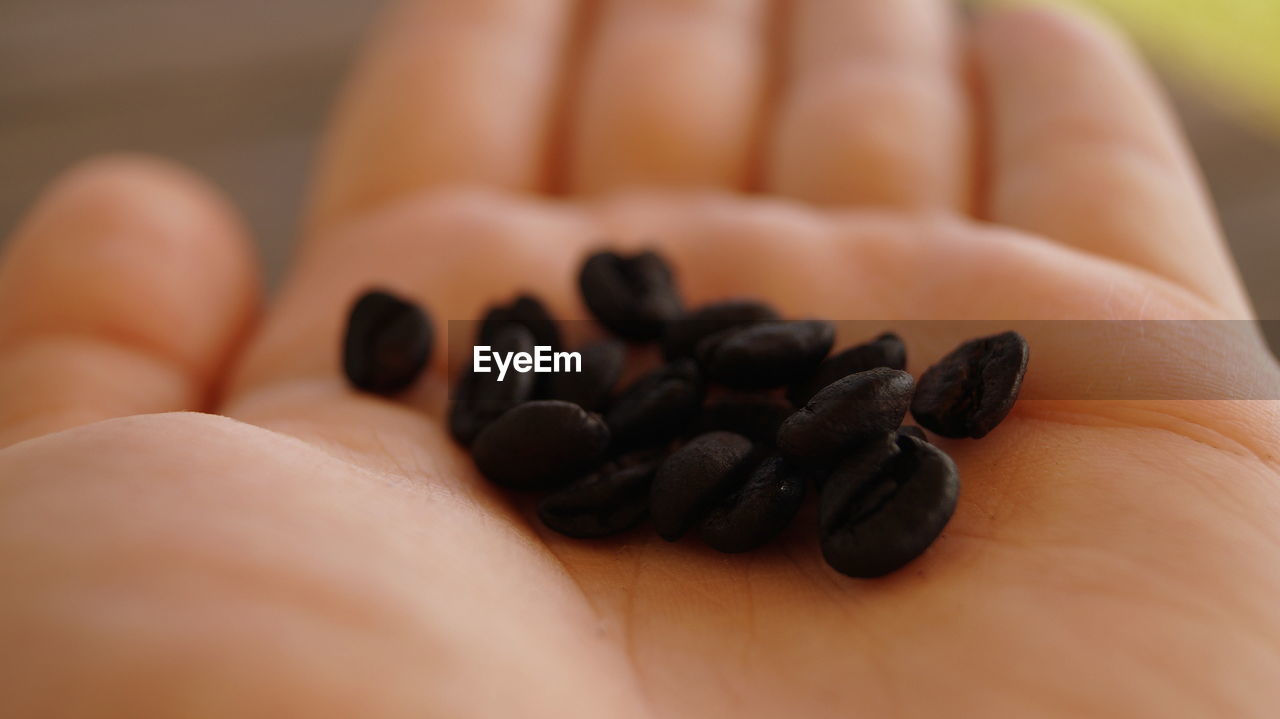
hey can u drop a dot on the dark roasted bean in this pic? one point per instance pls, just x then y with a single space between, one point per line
913 431
758 510
658 406
524 310
540 444
694 478
886 350
388 343
767 354
602 364
479 398
874 450
684 334
883 506
968 392
634 296
844 414
612 499
756 416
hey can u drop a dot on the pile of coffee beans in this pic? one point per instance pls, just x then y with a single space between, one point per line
744 414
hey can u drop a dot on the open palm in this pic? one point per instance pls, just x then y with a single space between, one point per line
316 552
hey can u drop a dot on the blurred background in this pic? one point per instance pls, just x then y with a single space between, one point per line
239 89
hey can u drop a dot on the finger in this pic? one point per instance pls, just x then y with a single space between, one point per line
451 92
124 292
1086 152
671 95
873 111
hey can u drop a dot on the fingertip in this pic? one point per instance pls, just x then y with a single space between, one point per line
136 250
166 201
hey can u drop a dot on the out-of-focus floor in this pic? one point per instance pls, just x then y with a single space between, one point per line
239 89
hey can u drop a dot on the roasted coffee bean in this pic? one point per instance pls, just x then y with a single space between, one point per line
883 506
525 310
602 365
913 431
388 343
756 416
968 392
844 414
612 499
479 398
874 450
767 354
634 296
694 478
758 510
684 334
658 406
886 350
540 444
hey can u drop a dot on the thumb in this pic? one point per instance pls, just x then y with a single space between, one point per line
125 291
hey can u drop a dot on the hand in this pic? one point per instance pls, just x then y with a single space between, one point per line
315 552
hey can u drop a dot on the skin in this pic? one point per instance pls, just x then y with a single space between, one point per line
301 550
